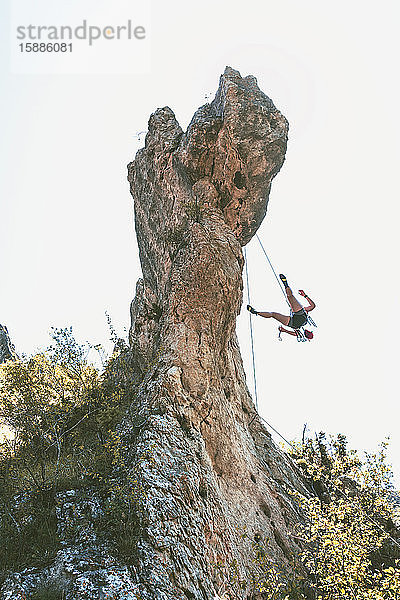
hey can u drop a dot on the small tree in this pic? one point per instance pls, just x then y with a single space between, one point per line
60 410
348 549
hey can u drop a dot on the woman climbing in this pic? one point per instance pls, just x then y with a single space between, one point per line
298 316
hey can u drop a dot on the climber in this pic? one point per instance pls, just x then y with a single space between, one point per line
298 316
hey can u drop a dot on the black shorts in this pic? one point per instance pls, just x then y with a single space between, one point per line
298 319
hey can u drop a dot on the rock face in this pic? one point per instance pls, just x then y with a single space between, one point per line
212 490
6 347
216 485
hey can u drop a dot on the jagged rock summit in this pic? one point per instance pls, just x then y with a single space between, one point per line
211 489
217 483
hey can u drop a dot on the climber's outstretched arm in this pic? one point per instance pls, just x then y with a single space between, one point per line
283 330
311 303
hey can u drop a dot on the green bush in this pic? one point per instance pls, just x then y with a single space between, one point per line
28 531
50 591
62 412
350 542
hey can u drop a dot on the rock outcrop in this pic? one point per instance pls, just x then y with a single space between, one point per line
216 484
213 492
7 350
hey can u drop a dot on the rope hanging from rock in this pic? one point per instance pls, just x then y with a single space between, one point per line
273 270
251 330
250 315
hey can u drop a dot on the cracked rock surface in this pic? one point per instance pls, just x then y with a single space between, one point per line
216 488
217 483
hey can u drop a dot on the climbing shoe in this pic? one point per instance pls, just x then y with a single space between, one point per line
252 310
284 280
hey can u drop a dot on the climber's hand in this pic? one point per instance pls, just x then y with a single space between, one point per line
302 293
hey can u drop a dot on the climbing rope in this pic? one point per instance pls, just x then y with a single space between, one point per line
273 270
251 330
271 427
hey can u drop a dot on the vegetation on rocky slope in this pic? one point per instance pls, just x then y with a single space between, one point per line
350 537
64 414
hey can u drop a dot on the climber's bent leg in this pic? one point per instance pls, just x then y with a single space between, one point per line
294 304
284 319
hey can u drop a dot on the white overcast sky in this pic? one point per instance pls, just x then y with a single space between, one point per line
68 249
